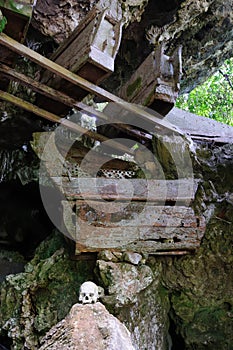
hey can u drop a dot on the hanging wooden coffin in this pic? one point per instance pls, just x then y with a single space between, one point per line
90 52
109 216
156 82
118 212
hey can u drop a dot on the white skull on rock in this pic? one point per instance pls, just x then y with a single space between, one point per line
88 293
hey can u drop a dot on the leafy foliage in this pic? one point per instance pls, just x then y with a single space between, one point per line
214 98
3 22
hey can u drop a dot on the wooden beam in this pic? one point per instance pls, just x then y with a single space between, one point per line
181 190
56 119
68 101
91 239
92 88
156 219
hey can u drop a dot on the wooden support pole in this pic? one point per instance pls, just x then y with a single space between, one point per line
68 101
56 119
92 88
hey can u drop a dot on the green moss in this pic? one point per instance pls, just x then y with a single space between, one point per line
132 88
148 99
47 289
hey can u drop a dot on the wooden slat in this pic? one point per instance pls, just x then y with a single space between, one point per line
91 239
56 95
73 78
155 84
68 101
56 119
144 227
151 247
135 214
181 190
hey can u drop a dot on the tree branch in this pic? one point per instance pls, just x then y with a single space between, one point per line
226 76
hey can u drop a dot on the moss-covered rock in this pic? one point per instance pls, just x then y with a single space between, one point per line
31 302
201 285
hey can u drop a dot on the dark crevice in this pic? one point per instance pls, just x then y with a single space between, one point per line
177 340
24 222
5 342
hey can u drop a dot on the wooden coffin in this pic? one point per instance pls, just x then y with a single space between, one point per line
122 213
18 15
145 216
90 52
156 82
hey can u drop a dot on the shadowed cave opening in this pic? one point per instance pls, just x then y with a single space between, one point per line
177 339
24 222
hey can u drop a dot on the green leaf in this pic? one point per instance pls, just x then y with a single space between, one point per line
214 98
3 22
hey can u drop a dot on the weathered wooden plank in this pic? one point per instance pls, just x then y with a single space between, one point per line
96 238
135 214
54 94
181 190
136 226
66 100
40 88
54 118
151 247
88 86
170 234
156 82
81 251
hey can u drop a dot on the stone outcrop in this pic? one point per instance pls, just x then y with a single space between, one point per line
32 301
123 281
90 327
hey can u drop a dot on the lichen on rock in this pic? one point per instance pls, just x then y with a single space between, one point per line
123 281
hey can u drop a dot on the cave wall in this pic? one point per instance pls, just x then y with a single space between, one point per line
167 303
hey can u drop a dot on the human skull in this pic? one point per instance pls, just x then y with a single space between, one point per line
88 293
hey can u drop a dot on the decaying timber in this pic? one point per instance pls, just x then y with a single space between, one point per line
90 52
152 217
144 222
151 220
76 80
156 83
162 229
18 15
121 212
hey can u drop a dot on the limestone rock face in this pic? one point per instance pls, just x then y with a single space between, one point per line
89 327
59 18
123 281
31 302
